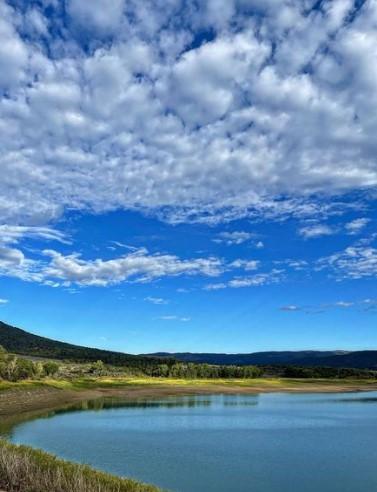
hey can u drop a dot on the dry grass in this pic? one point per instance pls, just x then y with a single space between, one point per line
23 469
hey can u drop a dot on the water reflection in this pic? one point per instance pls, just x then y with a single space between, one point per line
108 403
220 443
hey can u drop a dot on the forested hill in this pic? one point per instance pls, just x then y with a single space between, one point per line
365 359
21 342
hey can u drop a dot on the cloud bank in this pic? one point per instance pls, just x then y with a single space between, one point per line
188 110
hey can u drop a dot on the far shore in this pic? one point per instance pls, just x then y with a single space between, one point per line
19 401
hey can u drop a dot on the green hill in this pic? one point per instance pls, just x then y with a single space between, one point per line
21 342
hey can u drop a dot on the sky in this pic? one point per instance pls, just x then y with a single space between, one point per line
178 175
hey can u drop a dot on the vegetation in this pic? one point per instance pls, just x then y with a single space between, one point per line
14 368
24 343
203 371
366 359
25 469
21 342
327 372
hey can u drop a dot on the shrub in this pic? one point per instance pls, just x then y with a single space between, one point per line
50 368
23 469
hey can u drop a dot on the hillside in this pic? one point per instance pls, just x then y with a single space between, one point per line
365 359
21 342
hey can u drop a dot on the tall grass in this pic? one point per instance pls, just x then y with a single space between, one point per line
23 469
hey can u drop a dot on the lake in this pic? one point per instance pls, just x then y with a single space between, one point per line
222 443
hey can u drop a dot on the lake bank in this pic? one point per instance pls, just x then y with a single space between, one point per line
32 397
24 469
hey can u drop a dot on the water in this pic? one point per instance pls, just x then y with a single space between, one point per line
218 443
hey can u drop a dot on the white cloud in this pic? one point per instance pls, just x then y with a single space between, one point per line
13 53
217 286
142 115
12 233
175 318
234 237
100 16
354 262
316 230
14 264
245 264
290 308
139 266
344 304
156 300
4 301
315 309
355 226
256 280
11 256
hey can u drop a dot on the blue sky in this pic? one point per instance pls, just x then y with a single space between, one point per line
189 176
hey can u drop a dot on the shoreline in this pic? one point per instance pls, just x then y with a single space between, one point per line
34 399
23 401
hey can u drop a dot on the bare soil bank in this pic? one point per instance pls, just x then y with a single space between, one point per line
17 402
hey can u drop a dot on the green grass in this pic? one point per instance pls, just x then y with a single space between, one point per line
28 470
265 384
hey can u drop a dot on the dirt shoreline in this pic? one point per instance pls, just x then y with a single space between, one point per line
19 402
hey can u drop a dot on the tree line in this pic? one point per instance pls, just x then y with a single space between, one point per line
206 371
13 368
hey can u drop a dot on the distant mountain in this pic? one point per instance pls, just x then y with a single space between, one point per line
24 343
21 342
365 359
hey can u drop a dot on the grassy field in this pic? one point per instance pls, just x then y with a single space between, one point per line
23 469
257 384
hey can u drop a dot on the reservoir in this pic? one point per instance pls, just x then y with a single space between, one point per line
272 442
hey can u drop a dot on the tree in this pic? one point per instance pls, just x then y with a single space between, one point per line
98 368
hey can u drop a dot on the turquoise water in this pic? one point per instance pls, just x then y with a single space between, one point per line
257 443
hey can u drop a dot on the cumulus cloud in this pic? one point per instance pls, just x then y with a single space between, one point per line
13 263
129 105
139 266
316 230
97 16
357 225
354 262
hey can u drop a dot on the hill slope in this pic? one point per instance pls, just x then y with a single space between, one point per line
21 342
25 343
365 359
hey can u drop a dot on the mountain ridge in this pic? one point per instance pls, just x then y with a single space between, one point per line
363 359
22 342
